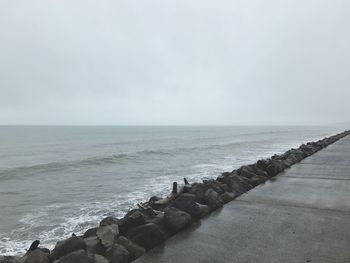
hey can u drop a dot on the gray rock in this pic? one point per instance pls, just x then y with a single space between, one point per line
110 220
204 210
34 256
292 158
261 173
298 154
287 163
224 187
246 172
175 219
256 180
90 232
159 221
147 212
213 199
100 259
262 164
188 204
135 250
236 184
108 234
94 245
45 250
136 218
198 191
147 236
67 246
274 168
118 254
213 184
186 188
78 256
152 202
227 197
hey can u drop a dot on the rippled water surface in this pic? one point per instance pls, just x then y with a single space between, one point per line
59 180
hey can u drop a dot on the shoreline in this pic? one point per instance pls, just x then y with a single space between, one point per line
124 240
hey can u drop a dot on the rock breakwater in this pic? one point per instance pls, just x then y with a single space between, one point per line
125 239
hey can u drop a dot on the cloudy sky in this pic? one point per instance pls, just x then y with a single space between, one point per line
174 62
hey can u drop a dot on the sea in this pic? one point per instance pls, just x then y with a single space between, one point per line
59 180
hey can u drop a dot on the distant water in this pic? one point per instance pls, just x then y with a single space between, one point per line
58 180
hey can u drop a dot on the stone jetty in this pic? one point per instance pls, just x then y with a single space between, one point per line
301 215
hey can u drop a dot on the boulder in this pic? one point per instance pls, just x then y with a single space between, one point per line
34 256
78 256
274 168
256 180
198 190
237 184
90 232
67 246
100 259
94 245
213 199
175 219
227 197
298 154
147 212
159 221
292 158
131 220
224 174
110 220
153 202
134 250
108 234
186 188
45 250
118 254
147 236
287 164
262 164
204 210
276 157
188 204
213 184
224 187
261 173
246 172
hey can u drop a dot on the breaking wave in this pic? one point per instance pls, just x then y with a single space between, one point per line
110 159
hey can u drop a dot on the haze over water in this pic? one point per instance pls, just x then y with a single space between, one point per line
63 179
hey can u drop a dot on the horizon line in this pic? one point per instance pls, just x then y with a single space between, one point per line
164 125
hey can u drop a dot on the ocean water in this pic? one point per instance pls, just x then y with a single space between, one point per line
58 180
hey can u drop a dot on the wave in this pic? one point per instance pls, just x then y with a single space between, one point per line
91 161
11 173
76 217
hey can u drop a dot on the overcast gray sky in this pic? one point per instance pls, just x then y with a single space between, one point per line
174 62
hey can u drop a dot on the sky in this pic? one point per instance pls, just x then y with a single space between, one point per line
174 62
